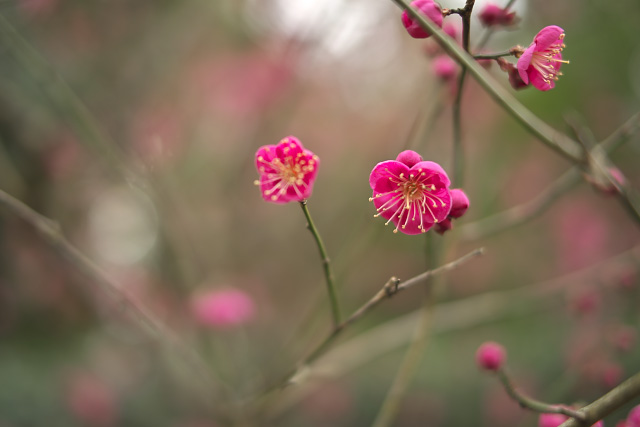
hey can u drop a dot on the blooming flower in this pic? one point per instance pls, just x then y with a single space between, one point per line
287 171
490 356
428 8
540 63
411 193
223 308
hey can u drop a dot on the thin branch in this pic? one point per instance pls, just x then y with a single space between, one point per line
326 265
50 231
554 139
494 55
391 288
535 405
623 393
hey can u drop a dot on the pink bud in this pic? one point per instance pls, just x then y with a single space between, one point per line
444 226
223 308
427 8
490 356
459 203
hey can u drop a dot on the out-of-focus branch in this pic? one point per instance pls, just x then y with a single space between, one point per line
526 211
597 410
522 213
50 231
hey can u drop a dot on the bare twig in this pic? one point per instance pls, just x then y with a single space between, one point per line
50 231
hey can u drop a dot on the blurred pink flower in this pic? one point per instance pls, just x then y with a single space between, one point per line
540 63
411 193
427 8
287 171
91 401
492 15
624 338
223 308
444 67
633 420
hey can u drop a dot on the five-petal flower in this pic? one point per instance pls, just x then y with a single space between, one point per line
540 63
287 171
411 193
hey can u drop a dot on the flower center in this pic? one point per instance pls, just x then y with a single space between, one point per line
546 61
285 173
412 198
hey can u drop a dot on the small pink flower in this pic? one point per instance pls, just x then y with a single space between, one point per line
411 193
287 171
493 15
223 308
540 63
444 67
490 356
427 8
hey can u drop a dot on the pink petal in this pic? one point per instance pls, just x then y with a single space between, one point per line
524 61
383 170
547 36
409 157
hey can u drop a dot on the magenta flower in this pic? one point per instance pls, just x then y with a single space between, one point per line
540 63
287 171
555 420
633 420
411 193
444 67
427 8
223 308
490 356
459 206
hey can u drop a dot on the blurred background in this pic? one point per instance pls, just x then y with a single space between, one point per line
133 125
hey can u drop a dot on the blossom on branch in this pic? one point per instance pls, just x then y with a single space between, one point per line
540 63
287 171
411 193
490 356
492 15
428 8
459 205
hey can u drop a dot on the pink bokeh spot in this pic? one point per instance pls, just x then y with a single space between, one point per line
633 420
427 8
490 356
287 171
492 15
91 401
540 63
411 193
444 67
551 420
223 308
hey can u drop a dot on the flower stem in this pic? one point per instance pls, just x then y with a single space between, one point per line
535 405
494 55
326 265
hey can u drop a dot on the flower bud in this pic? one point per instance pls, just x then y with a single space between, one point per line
490 356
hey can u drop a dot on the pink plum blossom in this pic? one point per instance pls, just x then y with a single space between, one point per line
411 193
287 171
223 308
428 8
540 63
490 356
492 15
